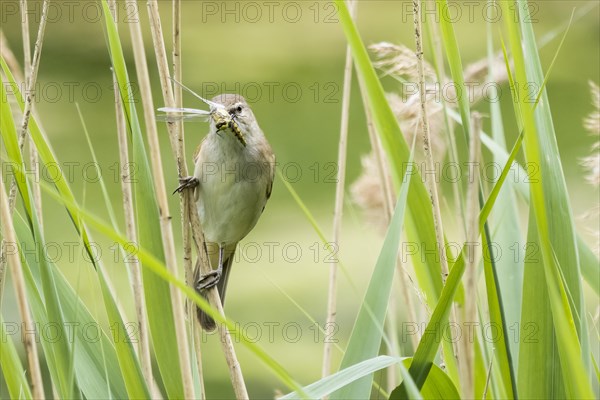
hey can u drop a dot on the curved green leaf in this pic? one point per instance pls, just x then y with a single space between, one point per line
437 386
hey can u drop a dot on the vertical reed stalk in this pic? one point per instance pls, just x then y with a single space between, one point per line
29 96
339 202
194 324
131 232
470 315
177 96
237 378
33 157
430 183
160 189
438 61
16 269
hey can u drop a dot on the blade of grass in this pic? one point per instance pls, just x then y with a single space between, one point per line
365 339
437 386
12 369
135 381
590 266
327 385
467 362
555 230
507 232
456 69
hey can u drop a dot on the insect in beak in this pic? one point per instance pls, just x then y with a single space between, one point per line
221 117
237 131
217 112
224 120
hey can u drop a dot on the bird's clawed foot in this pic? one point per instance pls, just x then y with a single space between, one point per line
209 280
189 182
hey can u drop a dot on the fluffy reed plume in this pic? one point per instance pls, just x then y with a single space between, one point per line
367 192
400 62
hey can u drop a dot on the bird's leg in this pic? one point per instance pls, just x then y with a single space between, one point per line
213 277
189 182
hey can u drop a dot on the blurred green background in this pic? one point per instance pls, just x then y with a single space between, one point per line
287 58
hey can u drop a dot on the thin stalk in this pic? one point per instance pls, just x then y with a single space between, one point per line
488 378
439 231
438 61
237 378
430 183
470 315
339 203
177 96
131 232
29 97
16 269
161 195
33 156
194 324
26 40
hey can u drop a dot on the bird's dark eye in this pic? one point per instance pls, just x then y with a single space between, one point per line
239 109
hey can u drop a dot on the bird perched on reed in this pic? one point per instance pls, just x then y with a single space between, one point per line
232 181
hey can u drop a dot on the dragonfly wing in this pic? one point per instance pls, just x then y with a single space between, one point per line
186 118
184 110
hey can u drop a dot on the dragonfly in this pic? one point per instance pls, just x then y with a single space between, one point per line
182 114
217 112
